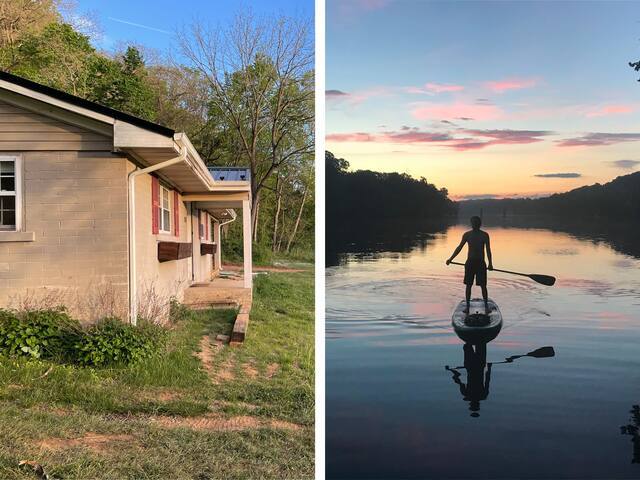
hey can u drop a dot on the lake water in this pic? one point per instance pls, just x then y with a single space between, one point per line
395 411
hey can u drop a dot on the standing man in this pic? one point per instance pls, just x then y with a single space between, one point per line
475 266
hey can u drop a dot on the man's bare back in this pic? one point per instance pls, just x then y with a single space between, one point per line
476 241
475 267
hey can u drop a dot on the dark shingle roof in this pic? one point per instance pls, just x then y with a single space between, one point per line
89 105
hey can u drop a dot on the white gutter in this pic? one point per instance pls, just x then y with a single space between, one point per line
133 287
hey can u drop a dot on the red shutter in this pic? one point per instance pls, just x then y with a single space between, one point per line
206 226
176 214
155 205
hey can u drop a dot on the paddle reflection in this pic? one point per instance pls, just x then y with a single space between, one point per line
478 371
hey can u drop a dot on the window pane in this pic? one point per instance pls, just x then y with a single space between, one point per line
6 168
7 184
166 218
165 198
8 218
7 203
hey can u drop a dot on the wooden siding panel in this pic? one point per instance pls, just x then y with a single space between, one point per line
23 130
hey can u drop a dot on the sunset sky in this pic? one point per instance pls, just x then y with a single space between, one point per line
485 98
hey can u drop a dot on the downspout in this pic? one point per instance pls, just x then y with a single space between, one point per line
133 287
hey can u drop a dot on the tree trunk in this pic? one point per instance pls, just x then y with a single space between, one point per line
255 222
295 227
274 241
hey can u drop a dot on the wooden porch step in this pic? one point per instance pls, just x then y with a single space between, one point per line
241 324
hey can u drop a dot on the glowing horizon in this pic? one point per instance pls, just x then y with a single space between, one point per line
435 93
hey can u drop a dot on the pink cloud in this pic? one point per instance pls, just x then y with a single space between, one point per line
510 136
350 137
598 139
476 140
357 97
434 88
427 111
610 110
501 86
441 87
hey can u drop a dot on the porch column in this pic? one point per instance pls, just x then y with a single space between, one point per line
246 237
217 259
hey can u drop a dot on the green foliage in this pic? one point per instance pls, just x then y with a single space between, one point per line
232 250
62 58
54 335
38 333
255 114
112 342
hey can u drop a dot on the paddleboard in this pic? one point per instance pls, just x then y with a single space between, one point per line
477 326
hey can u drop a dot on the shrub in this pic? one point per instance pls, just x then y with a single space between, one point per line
113 342
38 333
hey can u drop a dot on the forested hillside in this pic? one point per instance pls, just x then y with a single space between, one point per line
615 200
244 94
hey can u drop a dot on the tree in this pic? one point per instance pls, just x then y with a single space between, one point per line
20 18
261 84
62 58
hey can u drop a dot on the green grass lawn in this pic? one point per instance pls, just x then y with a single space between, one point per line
196 410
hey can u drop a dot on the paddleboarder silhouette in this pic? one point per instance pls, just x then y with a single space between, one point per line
475 267
475 361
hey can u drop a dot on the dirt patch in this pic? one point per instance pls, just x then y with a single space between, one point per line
206 353
249 370
272 369
99 443
222 424
225 372
283 425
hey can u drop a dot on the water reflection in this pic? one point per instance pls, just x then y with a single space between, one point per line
476 388
365 241
389 335
633 429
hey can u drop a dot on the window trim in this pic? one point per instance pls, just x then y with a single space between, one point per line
161 210
17 168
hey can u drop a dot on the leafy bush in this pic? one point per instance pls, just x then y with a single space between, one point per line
38 333
111 342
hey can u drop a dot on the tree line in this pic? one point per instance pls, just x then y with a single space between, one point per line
243 92
615 200
367 196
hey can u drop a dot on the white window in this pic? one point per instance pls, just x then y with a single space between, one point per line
165 210
10 195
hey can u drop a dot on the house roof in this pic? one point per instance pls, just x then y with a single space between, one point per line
89 105
147 142
230 174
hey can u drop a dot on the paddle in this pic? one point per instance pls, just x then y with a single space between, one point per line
543 279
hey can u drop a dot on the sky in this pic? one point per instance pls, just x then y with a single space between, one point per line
153 23
487 99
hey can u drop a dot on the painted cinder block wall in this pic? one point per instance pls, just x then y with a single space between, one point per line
75 203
